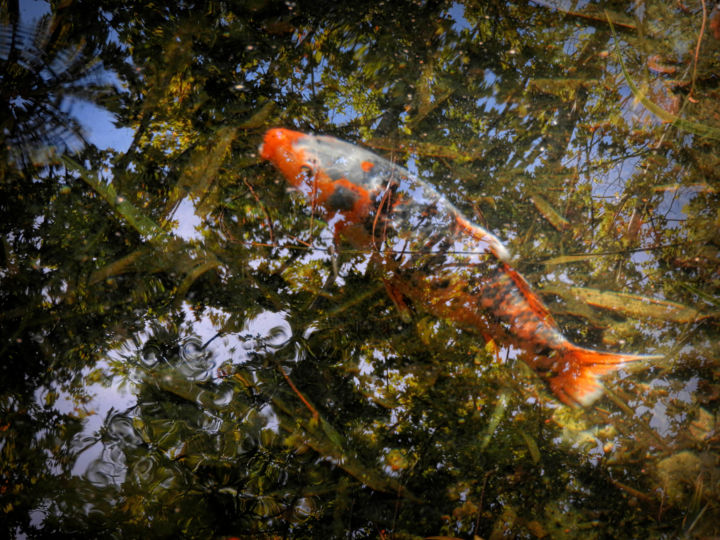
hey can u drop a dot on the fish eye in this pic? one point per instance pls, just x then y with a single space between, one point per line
307 169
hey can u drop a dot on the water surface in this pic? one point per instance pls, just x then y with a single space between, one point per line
188 352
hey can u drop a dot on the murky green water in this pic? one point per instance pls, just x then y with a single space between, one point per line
187 352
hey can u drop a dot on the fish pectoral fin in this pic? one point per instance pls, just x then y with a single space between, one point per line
399 300
534 302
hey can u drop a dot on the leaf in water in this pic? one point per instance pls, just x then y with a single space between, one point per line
563 259
497 416
630 304
532 447
701 188
549 213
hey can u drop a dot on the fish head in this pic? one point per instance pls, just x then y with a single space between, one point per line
331 174
279 147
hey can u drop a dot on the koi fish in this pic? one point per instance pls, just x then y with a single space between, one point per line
432 255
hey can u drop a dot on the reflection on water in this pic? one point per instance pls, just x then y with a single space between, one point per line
175 364
252 378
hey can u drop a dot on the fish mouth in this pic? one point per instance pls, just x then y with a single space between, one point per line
276 139
273 140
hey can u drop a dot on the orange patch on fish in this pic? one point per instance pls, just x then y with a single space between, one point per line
344 196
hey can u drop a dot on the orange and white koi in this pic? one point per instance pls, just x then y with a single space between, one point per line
434 256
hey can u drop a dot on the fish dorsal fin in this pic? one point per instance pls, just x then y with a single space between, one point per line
532 298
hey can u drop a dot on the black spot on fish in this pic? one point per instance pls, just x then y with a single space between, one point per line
342 199
543 351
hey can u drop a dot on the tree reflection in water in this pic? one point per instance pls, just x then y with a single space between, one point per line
256 379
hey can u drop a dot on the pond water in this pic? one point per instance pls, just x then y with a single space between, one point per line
189 351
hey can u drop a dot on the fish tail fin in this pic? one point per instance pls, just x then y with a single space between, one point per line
576 380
